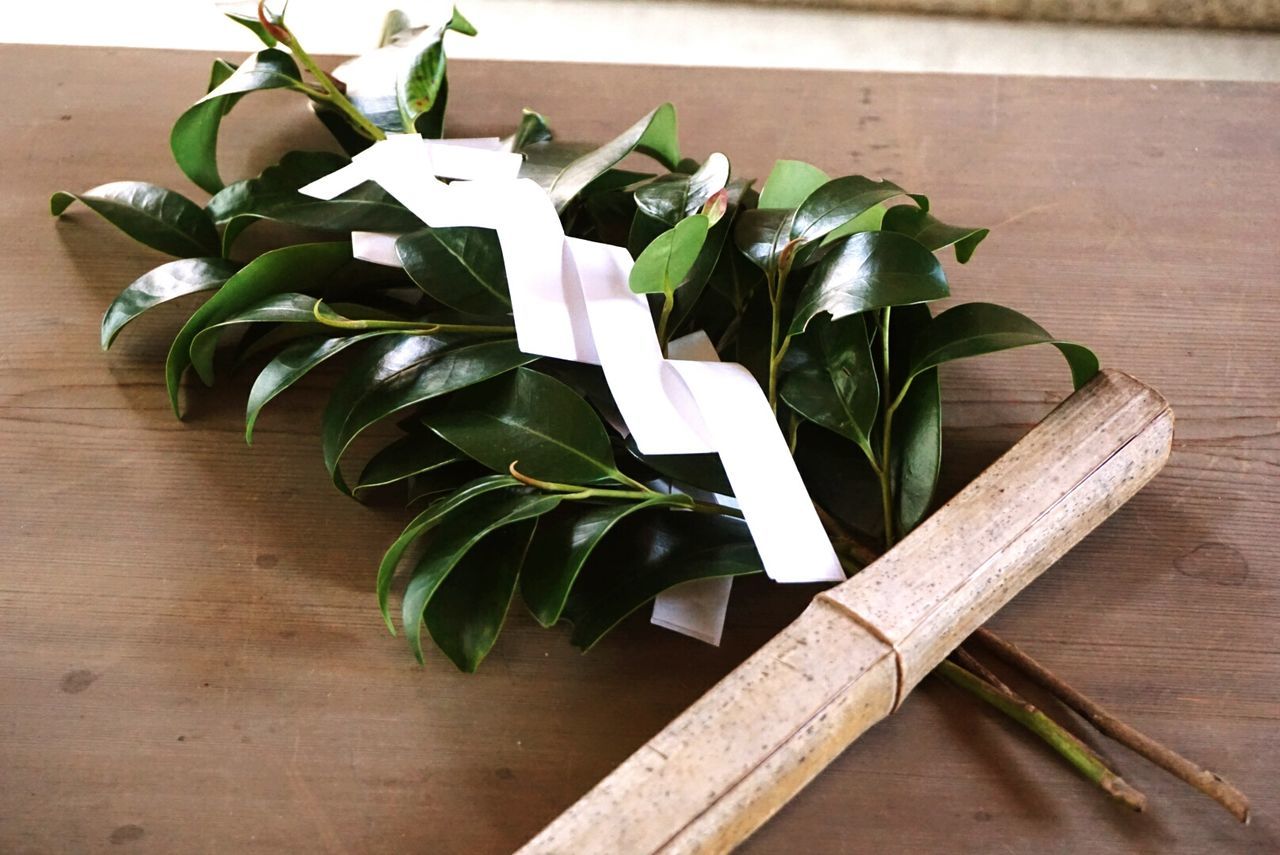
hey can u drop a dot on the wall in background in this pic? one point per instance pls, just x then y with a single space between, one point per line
688 33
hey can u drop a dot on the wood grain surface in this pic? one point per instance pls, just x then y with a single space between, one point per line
191 658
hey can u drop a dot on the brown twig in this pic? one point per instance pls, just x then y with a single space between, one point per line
1075 752
965 659
1166 758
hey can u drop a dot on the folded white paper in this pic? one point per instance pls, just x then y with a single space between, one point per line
571 300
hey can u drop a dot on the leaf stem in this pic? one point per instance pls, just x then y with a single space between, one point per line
886 435
332 94
664 318
1060 740
774 286
577 491
1166 758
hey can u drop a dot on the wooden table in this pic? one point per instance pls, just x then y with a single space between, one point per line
190 655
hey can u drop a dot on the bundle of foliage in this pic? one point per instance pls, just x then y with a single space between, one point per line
821 286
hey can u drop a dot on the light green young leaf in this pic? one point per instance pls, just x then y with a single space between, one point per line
790 183
665 263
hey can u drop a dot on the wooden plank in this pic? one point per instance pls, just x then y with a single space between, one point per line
190 656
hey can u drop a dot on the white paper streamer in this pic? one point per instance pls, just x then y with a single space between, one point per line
571 300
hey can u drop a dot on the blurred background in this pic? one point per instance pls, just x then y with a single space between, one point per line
1196 39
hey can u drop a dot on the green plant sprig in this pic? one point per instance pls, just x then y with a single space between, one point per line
815 283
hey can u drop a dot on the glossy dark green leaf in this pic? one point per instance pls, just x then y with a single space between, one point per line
974 329
426 521
932 233
291 365
790 183
699 471
665 262
274 196
533 128
467 611
655 135
151 215
403 459
460 266
534 420
275 272
277 309
869 270
671 198
835 385
451 539
837 202
916 450
411 371
169 281
647 554
564 541
761 234
194 138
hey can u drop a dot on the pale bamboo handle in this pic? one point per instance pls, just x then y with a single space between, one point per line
730 761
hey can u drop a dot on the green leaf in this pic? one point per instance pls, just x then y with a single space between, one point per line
289 366
699 471
452 538
275 272
932 233
151 215
460 266
761 235
280 308
869 270
423 523
169 281
665 263
533 128
408 372
249 22
274 196
529 418
916 450
836 384
671 198
974 329
406 457
648 554
466 613
194 138
837 202
564 541
790 183
655 135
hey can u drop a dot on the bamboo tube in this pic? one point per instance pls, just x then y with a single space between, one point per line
739 753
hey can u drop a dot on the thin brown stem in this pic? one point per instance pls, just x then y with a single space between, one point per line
967 660
1166 758
1075 752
